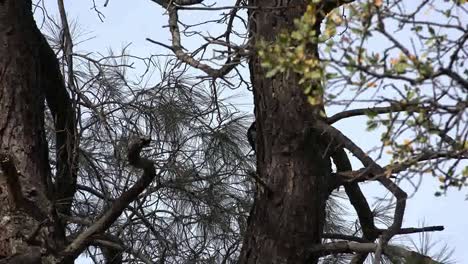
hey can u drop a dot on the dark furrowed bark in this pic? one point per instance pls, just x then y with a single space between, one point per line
29 222
291 158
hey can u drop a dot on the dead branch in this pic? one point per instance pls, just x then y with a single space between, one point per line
108 217
185 57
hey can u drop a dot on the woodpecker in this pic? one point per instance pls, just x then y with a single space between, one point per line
252 135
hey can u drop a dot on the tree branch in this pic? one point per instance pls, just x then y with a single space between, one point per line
343 247
177 48
412 230
394 107
337 139
107 218
63 113
358 201
403 231
364 174
167 3
108 242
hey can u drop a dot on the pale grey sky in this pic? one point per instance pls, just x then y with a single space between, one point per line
132 21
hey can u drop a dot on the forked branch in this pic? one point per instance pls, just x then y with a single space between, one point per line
337 140
231 62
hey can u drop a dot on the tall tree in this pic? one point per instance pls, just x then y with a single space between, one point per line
289 217
292 82
30 74
94 161
90 181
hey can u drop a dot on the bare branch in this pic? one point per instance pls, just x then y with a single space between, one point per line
358 201
149 173
412 230
337 139
364 174
63 113
107 241
394 107
185 57
355 247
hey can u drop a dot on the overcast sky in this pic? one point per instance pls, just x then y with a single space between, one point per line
132 21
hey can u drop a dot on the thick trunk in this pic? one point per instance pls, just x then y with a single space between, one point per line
28 229
285 222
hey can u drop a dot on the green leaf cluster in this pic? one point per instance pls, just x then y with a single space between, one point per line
295 52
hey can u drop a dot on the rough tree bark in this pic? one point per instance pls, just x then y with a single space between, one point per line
29 228
285 222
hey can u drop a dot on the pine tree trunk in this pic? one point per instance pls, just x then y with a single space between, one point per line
28 226
285 222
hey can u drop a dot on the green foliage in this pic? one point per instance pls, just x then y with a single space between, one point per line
384 54
295 52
